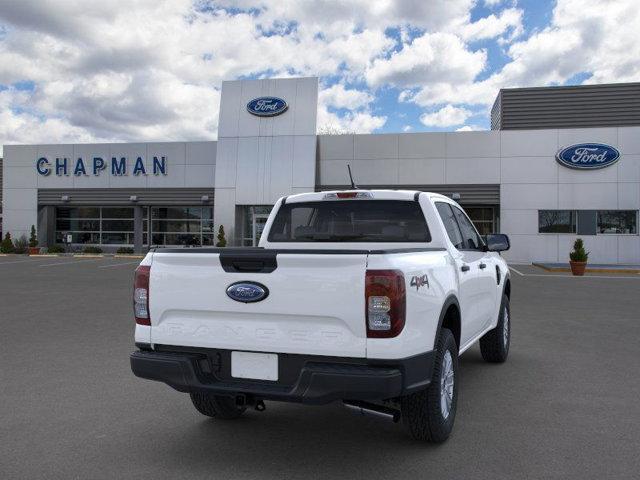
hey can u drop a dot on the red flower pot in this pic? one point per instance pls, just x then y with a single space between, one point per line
578 268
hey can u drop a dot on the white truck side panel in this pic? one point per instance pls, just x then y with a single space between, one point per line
423 305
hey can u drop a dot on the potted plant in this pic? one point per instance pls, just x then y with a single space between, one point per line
33 242
7 244
21 245
222 241
578 258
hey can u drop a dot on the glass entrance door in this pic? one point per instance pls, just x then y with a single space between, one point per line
253 219
259 220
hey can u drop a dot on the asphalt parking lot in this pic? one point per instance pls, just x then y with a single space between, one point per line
565 405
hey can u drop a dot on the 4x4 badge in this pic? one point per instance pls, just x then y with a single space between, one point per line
419 281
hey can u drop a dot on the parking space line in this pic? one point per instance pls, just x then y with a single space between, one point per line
69 263
545 275
118 264
22 261
517 271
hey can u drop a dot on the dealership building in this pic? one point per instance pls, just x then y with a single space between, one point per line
559 162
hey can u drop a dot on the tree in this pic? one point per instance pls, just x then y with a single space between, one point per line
222 241
333 129
33 238
579 254
7 244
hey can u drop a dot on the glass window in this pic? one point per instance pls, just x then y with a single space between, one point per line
618 221
177 213
114 212
350 221
450 224
482 218
95 225
78 212
117 225
470 237
78 225
190 226
556 221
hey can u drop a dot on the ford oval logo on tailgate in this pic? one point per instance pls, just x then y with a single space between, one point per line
247 292
267 106
588 156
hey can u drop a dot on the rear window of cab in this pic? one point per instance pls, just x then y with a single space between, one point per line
350 221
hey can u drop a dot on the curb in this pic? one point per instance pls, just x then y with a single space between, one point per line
588 269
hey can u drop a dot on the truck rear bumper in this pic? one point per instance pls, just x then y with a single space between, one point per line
304 378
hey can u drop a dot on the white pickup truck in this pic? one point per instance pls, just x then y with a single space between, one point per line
361 296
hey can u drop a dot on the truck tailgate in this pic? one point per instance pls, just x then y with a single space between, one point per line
315 304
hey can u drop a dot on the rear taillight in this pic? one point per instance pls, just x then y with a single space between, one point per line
141 295
385 303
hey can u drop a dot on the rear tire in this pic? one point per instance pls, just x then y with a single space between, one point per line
494 345
429 414
216 406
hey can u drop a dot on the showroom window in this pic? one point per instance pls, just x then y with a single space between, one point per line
556 221
95 225
189 226
618 221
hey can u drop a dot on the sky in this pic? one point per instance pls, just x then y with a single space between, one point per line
77 71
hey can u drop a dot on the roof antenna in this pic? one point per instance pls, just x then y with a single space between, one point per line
353 184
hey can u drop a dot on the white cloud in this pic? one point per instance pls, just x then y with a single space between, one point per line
338 96
432 57
509 20
447 116
407 128
582 38
151 70
469 128
352 122
492 3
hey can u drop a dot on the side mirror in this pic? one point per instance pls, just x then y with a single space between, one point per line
497 242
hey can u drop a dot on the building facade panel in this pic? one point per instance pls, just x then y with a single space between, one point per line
472 170
473 144
529 170
508 180
432 145
529 143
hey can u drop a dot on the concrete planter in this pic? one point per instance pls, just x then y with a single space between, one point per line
578 268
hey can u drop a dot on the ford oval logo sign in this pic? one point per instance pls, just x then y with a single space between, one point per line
267 106
588 156
247 292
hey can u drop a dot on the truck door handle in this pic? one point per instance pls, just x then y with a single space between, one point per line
483 266
465 268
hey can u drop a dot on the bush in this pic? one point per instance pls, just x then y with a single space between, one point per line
222 241
33 238
125 251
579 254
56 249
21 245
7 244
91 249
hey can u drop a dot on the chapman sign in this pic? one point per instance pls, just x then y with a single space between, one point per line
588 156
96 165
267 106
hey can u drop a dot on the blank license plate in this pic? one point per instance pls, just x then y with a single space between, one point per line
257 366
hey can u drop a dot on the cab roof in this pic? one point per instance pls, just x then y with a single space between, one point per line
366 194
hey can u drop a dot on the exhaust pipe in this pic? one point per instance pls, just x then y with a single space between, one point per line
371 409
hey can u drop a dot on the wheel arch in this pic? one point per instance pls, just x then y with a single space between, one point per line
507 287
450 318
